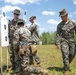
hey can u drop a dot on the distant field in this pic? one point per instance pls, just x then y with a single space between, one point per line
51 59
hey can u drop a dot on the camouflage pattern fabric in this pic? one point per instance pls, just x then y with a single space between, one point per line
65 37
34 29
23 35
12 28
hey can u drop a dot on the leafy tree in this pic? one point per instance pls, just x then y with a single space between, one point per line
48 38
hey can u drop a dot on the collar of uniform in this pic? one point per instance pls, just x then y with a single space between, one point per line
67 21
33 24
15 20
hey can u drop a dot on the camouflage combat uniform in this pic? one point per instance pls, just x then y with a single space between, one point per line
34 29
65 32
12 27
22 35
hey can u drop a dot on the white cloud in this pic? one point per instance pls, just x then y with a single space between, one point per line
53 22
8 8
21 1
48 13
74 1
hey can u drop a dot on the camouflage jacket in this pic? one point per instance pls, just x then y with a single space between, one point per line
65 31
34 29
12 28
21 35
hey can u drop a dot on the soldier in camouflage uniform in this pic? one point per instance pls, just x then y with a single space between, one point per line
65 39
23 36
12 28
34 29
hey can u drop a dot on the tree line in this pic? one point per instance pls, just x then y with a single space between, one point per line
48 38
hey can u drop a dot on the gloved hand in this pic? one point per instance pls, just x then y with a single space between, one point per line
21 51
37 65
34 49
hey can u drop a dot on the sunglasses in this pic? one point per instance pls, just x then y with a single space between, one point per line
16 14
20 23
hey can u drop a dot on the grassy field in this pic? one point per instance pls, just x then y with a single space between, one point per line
51 59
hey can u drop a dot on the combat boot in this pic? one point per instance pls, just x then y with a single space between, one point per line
44 72
66 72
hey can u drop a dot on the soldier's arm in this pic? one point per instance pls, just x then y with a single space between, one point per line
31 28
58 34
74 26
16 39
37 30
9 31
75 32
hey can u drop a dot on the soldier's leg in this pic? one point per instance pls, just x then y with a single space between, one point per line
12 57
10 52
71 51
35 53
36 58
32 69
30 56
65 55
31 60
18 63
29 68
35 70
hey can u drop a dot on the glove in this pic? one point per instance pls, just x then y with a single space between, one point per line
34 49
21 50
37 65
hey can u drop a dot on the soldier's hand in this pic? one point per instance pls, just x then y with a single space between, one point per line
37 65
58 46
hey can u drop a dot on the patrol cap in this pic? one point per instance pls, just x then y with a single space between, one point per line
17 11
63 12
20 21
32 17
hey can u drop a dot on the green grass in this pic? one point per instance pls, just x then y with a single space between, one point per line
51 59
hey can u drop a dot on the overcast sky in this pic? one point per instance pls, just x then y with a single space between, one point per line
46 11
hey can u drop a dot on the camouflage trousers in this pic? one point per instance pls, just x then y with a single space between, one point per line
34 58
27 68
68 53
12 55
